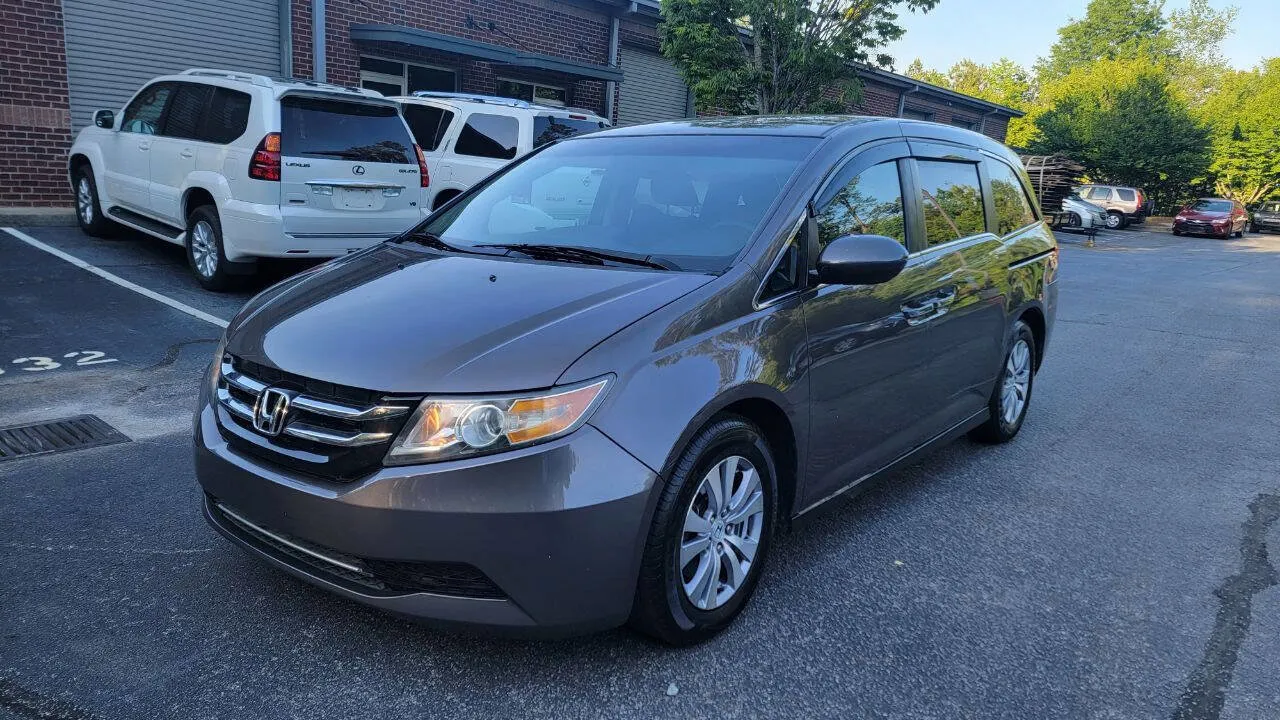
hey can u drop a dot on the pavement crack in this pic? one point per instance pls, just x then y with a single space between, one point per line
29 704
1206 689
171 354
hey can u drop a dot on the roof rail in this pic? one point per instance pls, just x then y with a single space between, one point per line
331 86
474 97
262 80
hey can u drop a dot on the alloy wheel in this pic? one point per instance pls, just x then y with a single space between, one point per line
204 249
1113 221
722 531
1017 382
84 200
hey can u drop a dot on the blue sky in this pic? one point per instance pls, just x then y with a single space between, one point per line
985 30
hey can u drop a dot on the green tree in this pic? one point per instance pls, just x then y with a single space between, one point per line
1196 34
1003 81
1245 116
1128 125
1109 30
778 56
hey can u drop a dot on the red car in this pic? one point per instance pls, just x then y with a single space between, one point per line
1219 217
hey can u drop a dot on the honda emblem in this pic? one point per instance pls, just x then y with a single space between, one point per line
271 411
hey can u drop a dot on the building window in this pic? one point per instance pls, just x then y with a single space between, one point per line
965 123
392 77
533 92
917 114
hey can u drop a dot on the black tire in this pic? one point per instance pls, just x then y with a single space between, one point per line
1115 220
1176 231
89 214
996 429
662 608
1240 233
211 268
1073 220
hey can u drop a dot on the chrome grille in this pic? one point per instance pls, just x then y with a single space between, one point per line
340 434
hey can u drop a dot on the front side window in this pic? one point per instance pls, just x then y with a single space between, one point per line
952 201
1013 208
490 136
338 130
143 114
869 204
1099 193
691 203
427 123
187 110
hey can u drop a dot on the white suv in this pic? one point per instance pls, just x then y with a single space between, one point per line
236 167
466 137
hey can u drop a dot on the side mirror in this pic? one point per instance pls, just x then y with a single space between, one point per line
861 260
104 119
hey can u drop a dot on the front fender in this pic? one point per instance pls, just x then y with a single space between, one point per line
87 146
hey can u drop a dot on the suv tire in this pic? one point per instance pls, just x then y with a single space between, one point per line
1115 220
88 209
1011 397
696 535
205 255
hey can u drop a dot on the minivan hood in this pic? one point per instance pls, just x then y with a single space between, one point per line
401 319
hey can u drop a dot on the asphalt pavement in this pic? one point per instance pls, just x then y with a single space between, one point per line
1112 562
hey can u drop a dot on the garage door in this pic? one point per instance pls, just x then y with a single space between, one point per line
115 47
651 90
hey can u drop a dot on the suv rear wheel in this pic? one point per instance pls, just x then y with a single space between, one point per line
710 535
88 210
204 249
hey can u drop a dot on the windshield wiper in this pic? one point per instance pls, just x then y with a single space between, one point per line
434 241
587 256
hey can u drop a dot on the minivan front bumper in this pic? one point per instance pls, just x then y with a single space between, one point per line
544 540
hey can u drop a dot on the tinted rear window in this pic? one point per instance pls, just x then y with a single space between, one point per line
336 130
428 124
548 128
228 115
1212 206
491 136
1126 194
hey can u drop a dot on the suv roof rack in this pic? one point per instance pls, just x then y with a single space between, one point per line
262 80
330 86
499 100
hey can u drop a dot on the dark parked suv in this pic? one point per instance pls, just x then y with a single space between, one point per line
538 417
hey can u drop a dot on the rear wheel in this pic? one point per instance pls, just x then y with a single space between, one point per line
710 535
1012 395
88 210
205 254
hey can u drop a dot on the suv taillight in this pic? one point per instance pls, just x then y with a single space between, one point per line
265 163
424 178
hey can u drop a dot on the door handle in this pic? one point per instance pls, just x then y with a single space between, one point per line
946 298
919 313
186 153
144 146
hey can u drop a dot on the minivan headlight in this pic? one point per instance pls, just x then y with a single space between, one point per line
444 428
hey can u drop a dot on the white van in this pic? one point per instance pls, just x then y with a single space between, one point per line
465 136
236 166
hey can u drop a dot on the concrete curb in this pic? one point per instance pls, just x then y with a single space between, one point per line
37 216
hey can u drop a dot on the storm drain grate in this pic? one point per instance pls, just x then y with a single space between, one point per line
73 433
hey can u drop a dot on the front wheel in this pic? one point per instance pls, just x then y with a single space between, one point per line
88 209
1012 395
1115 221
710 535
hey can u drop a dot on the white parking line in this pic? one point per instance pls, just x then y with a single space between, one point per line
200 314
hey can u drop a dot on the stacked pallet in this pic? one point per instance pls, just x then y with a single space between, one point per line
1052 178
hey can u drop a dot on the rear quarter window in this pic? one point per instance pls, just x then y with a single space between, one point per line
339 130
1013 208
1126 194
228 115
490 136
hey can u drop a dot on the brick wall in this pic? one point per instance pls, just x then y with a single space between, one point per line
35 116
540 26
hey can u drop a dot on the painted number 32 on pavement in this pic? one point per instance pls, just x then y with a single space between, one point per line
78 358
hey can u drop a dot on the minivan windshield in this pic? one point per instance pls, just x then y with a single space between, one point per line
687 202
337 130
1270 207
1212 206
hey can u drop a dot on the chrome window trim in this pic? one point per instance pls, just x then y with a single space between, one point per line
952 244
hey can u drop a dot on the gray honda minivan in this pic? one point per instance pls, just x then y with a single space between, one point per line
596 386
